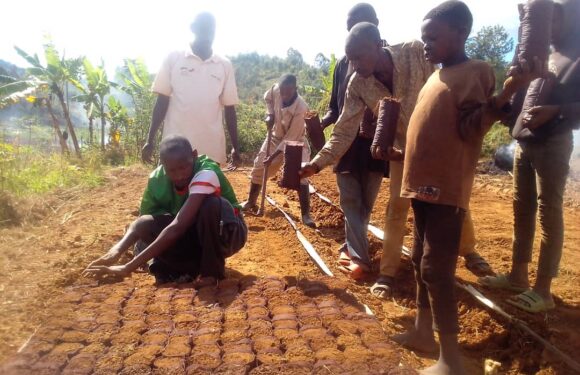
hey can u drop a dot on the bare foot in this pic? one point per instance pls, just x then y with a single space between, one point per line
414 341
442 368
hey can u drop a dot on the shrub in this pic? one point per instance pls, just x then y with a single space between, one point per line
497 136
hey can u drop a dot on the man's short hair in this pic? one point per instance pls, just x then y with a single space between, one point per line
364 31
454 13
363 10
175 146
287 80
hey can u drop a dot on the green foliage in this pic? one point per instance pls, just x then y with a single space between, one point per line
128 124
497 136
93 93
251 126
25 171
57 73
12 89
255 74
136 81
491 44
327 81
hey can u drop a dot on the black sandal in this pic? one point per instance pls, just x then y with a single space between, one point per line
383 284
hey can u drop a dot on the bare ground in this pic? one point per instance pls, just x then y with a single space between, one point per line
40 262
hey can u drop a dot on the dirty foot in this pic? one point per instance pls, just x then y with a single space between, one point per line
414 341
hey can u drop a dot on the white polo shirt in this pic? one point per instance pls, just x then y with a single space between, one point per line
198 91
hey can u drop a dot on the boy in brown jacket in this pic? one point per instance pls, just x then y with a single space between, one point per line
454 111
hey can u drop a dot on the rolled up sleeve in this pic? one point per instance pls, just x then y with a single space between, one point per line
162 83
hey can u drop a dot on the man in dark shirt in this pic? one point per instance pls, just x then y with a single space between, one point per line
358 175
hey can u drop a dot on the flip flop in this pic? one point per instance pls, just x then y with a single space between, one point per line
500 281
354 271
478 265
344 258
383 284
531 302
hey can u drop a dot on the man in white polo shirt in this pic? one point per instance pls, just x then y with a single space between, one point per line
193 88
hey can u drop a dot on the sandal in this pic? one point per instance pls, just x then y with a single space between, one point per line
343 258
478 265
531 302
354 270
384 286
500 281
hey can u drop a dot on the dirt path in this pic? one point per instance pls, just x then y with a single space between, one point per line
38 263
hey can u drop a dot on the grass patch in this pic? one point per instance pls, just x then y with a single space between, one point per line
25 171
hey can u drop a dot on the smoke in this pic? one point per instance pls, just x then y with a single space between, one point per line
504 156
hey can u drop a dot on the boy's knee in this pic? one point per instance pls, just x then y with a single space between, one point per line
210 207
436 278
142 225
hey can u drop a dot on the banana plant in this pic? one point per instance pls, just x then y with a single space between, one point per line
93 92
56 73
35 91
135 80
118 118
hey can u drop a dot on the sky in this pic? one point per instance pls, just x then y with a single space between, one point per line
113 30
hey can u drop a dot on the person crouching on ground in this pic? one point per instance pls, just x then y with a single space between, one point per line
454 111
286 112
190 219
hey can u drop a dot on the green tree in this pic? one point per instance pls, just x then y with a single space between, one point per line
57 73
491 44
136 81
294 57
35 91
93 93
322 62
118 118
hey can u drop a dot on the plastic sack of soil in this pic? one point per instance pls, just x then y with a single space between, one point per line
388 117
538 93
314 130
292 163
535 30
368 126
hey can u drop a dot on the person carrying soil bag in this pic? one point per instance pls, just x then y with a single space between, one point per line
285 119
541 166
189 219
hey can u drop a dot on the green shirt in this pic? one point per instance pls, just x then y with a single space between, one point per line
160 196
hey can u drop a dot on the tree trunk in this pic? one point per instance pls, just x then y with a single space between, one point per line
103 122
61 140
91 130
71 129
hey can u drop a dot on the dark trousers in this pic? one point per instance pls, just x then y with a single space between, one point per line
540 174
204 247
435 250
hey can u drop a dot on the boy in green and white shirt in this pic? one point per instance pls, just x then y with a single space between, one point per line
190 219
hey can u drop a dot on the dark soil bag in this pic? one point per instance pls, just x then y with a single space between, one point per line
314 130
388 117
292 164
